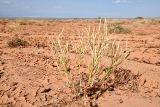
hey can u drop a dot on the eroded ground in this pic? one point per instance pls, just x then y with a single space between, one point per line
29 77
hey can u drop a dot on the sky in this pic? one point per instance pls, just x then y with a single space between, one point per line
80 8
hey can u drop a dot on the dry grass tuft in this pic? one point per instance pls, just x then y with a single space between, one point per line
91 83
17 42
119 29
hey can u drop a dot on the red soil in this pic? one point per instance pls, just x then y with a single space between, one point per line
29 77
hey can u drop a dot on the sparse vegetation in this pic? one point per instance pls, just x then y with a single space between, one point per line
119 29
139 17
155 22
62 56
86 54
90 84
17 42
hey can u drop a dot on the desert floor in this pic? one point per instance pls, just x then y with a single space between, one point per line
29 77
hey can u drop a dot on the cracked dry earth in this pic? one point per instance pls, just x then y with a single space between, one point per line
29 77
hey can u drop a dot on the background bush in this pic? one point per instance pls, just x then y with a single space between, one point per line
17 42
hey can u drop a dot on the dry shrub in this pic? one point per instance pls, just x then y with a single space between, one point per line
23 23
119 29
139 17
90 84
17 42
127 78
155 22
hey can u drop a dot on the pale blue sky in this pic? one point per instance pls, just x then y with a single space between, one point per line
80 8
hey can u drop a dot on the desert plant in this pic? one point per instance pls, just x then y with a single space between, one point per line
97 45
119 29
17 42
61 51
139 17
155 21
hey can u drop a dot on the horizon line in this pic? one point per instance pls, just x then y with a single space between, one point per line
37 17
